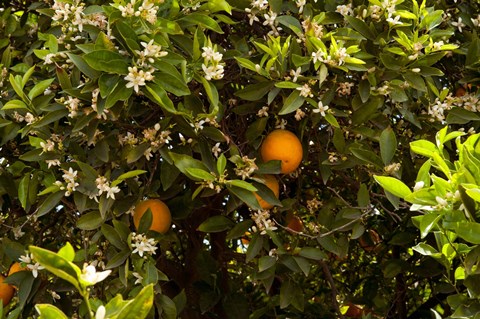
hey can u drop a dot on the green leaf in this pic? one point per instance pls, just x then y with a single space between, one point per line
425 249
199 174
239 229
423 147
47 311
80 63
127 175
219 5
107 61
23 190
90 221
367 110
459 115
118 259
427 223
255 92
50 118
363 196
14 104
57 265
393 185
173 84
159 96
468 231
67 252
216 224
242 184
119 93
367 156
198 19
245 195
221 164
39 88
212 93
388 145
313 253
256 244
49 203
186 163
286 294
287 85
292 103
360 26
113 236
332 120
139 307
64 79
266 262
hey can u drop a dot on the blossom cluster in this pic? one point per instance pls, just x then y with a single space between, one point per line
31 264
70 178
263 222
212 63
261 8
76 107
437 109
146 9
72 18
154 136
143 245
103 186
245 167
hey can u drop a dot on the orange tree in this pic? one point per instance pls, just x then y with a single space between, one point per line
104 104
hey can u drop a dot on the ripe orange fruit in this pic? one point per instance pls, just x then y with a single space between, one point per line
285 146
272 183
16 267
161 217
6 291
294 223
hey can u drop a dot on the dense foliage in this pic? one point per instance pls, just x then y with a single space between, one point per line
106 103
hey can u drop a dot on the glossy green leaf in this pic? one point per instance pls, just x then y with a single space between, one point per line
140 306
216 224
388 145
107 61
393 185
47 311
57 265
292 103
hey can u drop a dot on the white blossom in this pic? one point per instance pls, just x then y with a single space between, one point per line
216 149
299 114
300 4
138 277
90 276
296 73
101 312
459 24
321 108
418 185
263 112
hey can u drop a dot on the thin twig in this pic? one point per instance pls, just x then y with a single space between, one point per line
331 282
